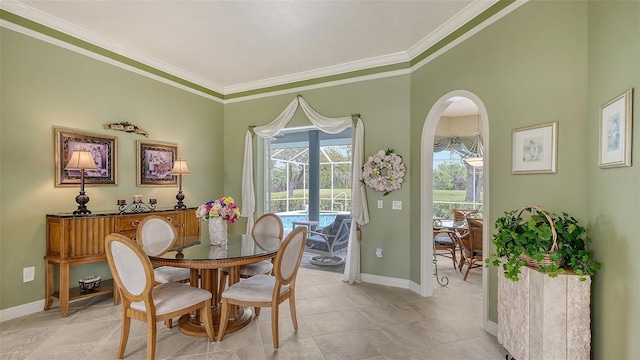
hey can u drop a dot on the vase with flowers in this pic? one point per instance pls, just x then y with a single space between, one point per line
219 213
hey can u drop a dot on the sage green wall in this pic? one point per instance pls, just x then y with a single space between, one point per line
528 68
560 62
44 86
546 61
384 107
614 194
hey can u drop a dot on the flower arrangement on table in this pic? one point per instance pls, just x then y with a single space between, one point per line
224 208
384 171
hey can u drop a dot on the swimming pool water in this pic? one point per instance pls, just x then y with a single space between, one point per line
288 218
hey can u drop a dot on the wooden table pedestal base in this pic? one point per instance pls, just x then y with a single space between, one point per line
191 325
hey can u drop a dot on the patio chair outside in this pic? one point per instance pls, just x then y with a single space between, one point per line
330 242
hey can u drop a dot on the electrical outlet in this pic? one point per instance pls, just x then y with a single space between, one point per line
379 252
28 273
396 205
380 204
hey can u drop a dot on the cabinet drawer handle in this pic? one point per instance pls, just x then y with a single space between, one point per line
135 223
169 219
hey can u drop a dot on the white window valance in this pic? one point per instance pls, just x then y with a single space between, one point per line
467 144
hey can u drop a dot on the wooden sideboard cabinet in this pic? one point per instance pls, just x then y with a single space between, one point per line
79 239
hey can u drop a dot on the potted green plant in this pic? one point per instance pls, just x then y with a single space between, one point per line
547 241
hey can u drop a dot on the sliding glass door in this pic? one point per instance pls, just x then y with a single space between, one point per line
308 175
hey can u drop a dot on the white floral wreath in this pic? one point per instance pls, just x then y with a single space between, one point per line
384 171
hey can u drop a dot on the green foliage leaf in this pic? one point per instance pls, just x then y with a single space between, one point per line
532 234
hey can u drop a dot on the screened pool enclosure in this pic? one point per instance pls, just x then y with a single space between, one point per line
308 175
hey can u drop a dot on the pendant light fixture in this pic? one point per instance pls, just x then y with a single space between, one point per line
478 160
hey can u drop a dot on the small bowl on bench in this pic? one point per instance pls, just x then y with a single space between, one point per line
89 283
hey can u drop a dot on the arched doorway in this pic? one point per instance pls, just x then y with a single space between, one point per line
426 204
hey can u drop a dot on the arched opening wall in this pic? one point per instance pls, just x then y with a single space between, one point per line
426 191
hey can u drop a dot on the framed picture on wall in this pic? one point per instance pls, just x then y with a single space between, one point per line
535 149
103 149
615 131
154 162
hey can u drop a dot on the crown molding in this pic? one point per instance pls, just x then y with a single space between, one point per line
472 31
105 59
324 84
374 62
474 18
55 23
460 19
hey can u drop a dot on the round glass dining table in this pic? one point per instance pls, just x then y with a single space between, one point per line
204 260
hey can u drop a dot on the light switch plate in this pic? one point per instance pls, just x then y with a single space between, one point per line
396 205
380 204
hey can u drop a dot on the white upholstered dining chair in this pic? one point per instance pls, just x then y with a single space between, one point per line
268 225
269 290
143 300
156 235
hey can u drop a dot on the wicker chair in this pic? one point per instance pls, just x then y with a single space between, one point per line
445 243
462 214
471 246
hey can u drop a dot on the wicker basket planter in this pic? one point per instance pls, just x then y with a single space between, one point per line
546 261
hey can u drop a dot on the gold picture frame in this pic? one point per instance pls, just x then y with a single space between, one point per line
535 149
615 131
154 161
104 149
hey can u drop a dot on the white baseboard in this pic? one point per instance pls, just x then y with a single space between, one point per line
395 282
416 288
21 310
491 327
389 281
36 306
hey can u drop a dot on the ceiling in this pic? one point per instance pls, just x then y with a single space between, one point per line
462 106
232 46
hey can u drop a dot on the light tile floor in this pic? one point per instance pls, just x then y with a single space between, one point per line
336 321
306 264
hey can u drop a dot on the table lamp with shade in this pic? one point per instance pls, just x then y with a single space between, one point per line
180 168
82 160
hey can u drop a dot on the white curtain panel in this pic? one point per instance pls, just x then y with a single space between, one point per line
248 195
359 209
